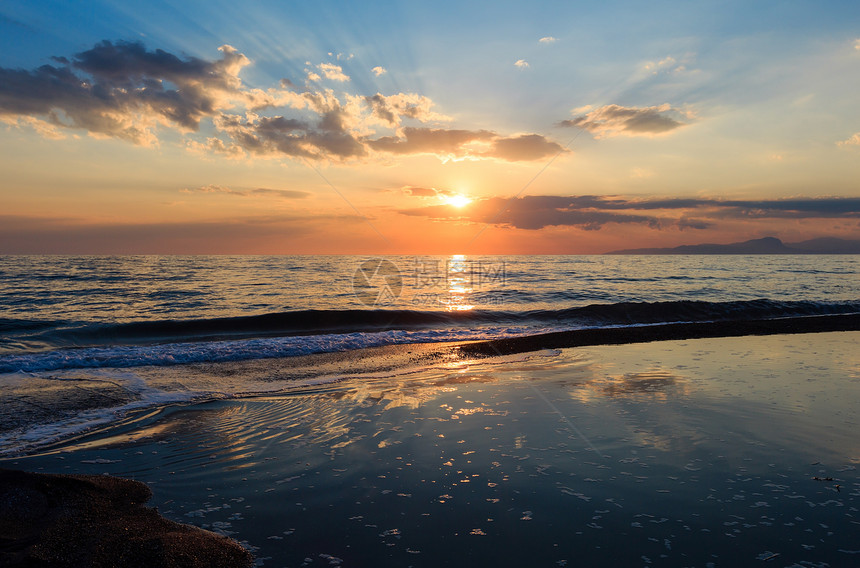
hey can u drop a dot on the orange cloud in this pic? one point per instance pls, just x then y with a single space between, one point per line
853 141
252 192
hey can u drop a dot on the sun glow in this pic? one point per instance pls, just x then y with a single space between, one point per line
457 200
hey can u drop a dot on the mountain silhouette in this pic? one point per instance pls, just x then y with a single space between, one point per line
766 245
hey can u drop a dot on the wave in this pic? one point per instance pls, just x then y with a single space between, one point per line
312 322
287 334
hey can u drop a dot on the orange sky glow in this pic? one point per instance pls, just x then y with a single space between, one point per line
557 141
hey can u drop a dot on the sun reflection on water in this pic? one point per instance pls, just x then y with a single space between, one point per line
458 284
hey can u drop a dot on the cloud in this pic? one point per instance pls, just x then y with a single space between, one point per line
548 39
281 136
124 90
530 213
616 120
853 141
666 65
808 207
253 192
524 147
697 224
471 144
857 44
522 63
431 141
393 108
594 212
421 191
333 72
379 71
35 235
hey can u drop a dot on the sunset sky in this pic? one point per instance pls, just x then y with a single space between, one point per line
317 127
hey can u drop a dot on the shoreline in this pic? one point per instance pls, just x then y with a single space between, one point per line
663 332
52 406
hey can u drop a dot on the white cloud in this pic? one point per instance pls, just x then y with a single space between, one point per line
853 141
857 44
522 63
379 71
333 72
668 65
392 108
548 39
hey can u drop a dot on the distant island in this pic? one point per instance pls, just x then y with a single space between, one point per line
767 245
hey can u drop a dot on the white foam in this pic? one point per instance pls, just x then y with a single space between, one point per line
121 356
32 436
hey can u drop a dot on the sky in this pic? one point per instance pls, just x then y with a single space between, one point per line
299 127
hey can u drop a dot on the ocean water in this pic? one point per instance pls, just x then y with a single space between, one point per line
130 332
319 410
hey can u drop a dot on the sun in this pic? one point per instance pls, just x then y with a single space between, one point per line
457 200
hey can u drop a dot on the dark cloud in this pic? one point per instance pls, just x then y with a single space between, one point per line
280 135
127 63
524 147
688 223
593 212
381 109
456 144
614 120
821 207
791 208
531 212
430 141
121 89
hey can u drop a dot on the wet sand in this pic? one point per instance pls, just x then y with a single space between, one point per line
693 452
99 521
35 409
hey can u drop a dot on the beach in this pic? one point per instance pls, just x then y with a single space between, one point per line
423 285
691 452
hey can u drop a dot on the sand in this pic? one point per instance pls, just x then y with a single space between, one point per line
99 521
720 451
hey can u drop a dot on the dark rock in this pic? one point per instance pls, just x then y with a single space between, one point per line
99 521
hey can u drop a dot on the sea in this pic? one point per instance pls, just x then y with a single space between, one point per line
315 408
110 316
